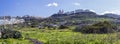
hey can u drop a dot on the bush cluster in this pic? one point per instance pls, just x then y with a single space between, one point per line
101 27
62 27
7 33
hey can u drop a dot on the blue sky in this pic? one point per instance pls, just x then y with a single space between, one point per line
45 8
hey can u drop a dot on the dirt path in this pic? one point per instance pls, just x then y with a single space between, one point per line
34 41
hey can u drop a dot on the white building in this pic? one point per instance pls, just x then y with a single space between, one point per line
11 21
79 10
87 10
61 12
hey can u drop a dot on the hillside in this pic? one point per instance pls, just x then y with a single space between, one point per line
79 18
73 28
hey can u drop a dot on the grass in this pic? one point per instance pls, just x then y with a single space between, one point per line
62 37
14 41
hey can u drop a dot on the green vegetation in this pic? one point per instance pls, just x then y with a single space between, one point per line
62 37
9 33
14 41
61 30
101 27
62 27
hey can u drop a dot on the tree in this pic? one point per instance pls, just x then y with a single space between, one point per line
62 27
7 33
101 27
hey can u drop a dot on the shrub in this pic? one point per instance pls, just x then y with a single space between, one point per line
101 27
7 33
62 27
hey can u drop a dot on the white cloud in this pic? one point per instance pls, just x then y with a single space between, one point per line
76 4
113 11
54 4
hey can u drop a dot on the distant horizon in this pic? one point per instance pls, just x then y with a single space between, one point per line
45 8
